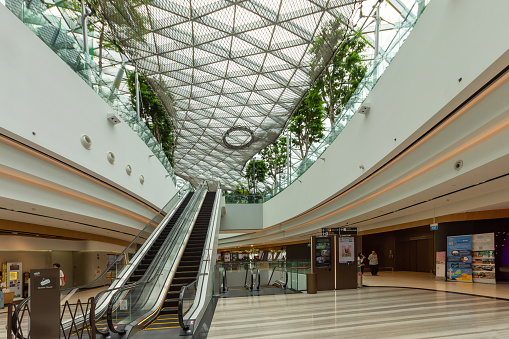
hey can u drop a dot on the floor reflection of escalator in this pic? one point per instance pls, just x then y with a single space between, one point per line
156 245
187 270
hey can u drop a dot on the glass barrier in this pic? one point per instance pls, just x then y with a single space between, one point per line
61 32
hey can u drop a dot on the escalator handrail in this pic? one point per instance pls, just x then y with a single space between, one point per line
286 278
181 305
258 274
26 300
148 277
225 283
100 294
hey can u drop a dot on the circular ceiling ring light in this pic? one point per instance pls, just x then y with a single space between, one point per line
238 137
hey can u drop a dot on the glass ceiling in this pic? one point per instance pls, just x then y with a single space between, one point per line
229 73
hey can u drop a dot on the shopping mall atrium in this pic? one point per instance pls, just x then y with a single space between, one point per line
254 168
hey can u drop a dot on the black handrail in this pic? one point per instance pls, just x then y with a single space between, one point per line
224 288
245 279
181 314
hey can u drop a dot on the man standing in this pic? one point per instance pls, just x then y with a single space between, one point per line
373 263
62 275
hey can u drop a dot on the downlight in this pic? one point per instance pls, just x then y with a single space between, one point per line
128 170
458 165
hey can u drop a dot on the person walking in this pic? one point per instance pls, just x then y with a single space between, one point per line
361 259
373 263
62 275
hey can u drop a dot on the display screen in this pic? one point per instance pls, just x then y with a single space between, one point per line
322 252
347 250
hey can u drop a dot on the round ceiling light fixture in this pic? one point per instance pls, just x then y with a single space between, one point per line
238 137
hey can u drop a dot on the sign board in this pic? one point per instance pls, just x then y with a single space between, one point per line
483 258
45 303
459 258
433 227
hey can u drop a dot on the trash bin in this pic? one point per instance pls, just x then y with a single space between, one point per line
311 283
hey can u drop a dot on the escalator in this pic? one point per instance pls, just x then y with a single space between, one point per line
154 304
156 246
187 270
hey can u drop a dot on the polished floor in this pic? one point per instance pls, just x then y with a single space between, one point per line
428 281
370 312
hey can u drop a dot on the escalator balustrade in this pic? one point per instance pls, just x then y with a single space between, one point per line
188 267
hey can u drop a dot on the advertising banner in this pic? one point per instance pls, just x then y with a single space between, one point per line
347 250
459 258
483 258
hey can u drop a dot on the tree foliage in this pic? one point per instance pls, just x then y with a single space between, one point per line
256 172
152 112
342 76
306 124
274 155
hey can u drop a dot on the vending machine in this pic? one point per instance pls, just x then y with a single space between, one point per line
13 277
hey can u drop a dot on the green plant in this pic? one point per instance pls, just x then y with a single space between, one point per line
341 77
256 172
274 155
153 114
306 124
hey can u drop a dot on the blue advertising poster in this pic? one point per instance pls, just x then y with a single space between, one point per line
459 258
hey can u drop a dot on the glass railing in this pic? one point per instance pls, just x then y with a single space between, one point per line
137 301
375 71
60 32
244 198
292 273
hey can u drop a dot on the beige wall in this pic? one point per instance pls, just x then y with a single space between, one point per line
88 266
29 259
64 258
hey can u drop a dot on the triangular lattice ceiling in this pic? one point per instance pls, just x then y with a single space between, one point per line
229 72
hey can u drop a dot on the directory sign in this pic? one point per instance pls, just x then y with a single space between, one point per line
459 258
